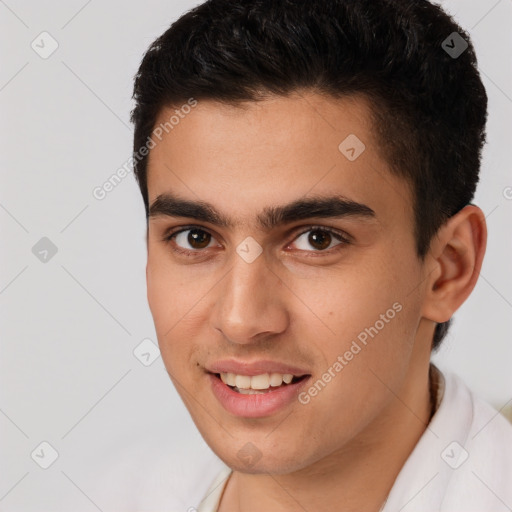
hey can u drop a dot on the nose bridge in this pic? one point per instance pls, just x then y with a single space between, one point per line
247 304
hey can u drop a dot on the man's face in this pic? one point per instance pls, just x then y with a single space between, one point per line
334 301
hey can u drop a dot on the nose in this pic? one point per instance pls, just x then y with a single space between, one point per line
250 303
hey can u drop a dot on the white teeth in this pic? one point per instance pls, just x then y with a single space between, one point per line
276 379
260 381
245 383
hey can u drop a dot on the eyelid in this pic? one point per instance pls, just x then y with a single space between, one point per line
175 231
341 235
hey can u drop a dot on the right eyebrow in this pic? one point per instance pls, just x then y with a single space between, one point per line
173 206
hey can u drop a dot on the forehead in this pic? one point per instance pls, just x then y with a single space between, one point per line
246 157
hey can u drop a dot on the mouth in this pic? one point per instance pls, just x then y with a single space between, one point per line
259 395
258 384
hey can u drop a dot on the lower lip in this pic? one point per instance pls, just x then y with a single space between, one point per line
258 405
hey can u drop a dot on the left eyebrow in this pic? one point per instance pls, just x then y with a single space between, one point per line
323 207
271 216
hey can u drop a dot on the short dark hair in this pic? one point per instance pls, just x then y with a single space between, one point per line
429 105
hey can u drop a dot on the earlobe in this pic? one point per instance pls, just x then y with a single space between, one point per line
457 250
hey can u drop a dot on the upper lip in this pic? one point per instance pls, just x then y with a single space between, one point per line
252 368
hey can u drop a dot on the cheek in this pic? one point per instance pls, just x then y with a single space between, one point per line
179 300
168 298
171 290
371 324
163 298
375 304
348 302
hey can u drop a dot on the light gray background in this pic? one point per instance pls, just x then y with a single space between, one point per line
68 374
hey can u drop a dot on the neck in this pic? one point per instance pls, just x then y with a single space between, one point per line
356 477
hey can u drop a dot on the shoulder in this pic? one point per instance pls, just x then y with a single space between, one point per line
462 462
482 482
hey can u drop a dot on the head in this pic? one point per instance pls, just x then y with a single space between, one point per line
245 118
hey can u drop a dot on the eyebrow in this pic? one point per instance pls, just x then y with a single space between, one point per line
271 216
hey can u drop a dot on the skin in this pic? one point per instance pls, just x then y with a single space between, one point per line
298 304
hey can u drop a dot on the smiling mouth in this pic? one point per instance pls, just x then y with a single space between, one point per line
258 384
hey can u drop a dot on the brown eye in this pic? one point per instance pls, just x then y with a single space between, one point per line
320 240
191 239
198 239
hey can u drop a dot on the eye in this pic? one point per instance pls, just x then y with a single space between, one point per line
320 239
191 239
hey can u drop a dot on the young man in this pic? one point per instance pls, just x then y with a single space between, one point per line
307 170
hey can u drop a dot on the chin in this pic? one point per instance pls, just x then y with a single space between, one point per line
257 458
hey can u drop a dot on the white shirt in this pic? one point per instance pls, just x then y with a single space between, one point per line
462 462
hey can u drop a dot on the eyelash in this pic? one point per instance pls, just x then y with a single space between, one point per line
343 238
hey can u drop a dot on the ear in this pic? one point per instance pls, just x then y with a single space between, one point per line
456 254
